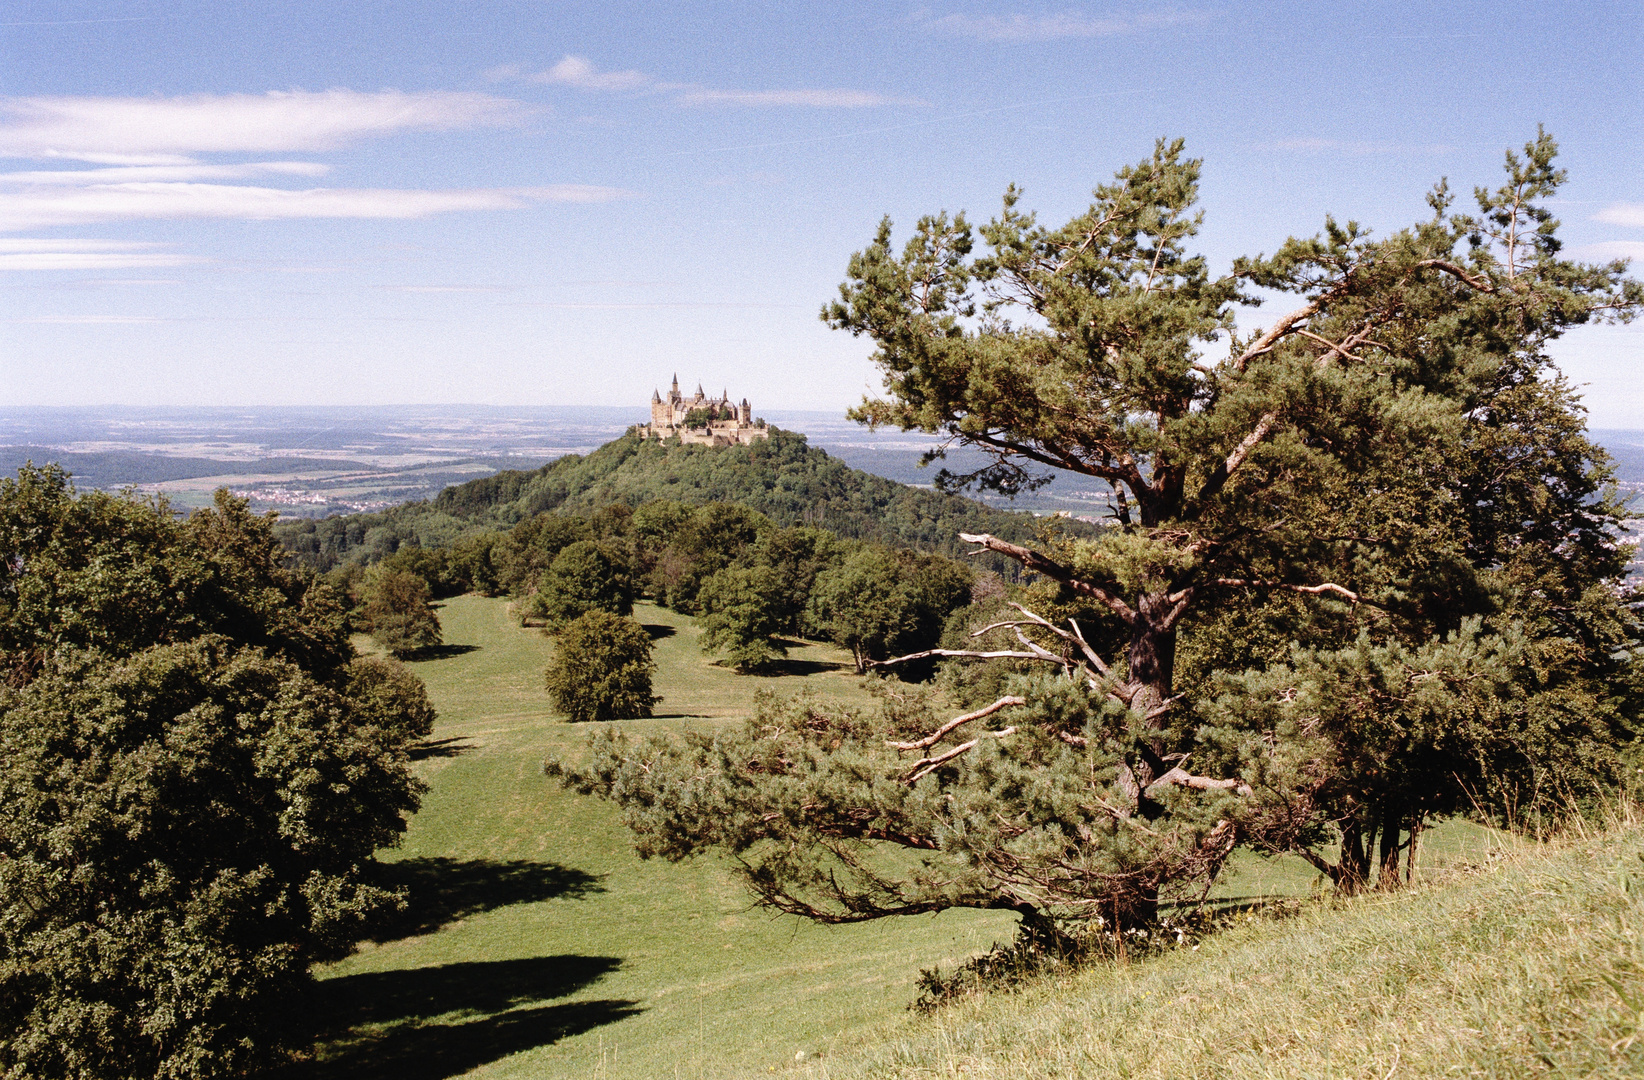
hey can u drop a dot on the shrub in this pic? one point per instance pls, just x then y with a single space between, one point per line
603 669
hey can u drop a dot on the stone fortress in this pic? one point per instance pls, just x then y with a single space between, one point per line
702 420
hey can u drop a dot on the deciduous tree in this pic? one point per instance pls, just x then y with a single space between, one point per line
602 669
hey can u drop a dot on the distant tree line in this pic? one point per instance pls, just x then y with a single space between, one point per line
750 583
782 478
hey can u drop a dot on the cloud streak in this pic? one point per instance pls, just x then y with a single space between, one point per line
1629 214
168 131
39 207
1066 24
581 73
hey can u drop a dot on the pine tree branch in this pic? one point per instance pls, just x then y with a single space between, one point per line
1267 341
931 764
1036 562
1328 587
936 736
1481 284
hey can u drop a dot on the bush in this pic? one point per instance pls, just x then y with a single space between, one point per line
583 577
603 669
398 615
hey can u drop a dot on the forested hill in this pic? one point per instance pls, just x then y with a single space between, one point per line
781 477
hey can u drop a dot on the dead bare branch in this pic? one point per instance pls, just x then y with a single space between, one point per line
936 736
926 766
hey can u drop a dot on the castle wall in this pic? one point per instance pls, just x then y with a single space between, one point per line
735 427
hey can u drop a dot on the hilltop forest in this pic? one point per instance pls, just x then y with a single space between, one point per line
781 478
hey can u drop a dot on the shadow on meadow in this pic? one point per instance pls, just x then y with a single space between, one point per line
658 631
441 890
455 746
381 1020
439 652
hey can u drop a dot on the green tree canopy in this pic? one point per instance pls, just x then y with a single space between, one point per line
583 577
602 668
397 612
194 775
879 602
741 612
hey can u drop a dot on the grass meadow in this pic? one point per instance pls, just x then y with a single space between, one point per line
538 945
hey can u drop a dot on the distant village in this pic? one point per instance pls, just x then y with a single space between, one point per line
702 420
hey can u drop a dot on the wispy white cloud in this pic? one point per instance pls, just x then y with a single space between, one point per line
165 131
93 260
580 72
37 207
1606 250
33 253
1631 214
190 172
1065 24
819 99
91 320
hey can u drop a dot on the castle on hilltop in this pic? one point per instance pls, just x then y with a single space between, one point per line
702 420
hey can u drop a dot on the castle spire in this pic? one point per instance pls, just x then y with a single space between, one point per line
656 397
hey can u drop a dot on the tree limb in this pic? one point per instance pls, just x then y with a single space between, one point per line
1265 343
1180 777
936 736
931 764
1036 562
1328 587
1481 284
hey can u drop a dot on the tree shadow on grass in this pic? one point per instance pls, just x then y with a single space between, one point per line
380 1022
658 631
441 890
439 652
781 666
455 746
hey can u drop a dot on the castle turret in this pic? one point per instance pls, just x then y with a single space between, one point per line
745 412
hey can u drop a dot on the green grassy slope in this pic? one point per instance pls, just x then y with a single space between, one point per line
1533 966
781 477
540 946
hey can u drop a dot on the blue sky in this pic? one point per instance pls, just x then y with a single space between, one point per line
536 202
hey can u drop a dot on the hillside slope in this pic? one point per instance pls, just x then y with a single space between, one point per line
782 477
1532 967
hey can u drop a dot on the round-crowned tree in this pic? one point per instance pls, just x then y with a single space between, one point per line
603 669
195 772
397 611
583 577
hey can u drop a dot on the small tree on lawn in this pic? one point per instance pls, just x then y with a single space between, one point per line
741 612
603 669
582 578
397 611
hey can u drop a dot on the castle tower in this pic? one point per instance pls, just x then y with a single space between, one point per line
745 412
661 415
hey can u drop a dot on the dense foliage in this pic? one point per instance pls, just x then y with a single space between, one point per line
397 614
780 478
1363 569
602 669
194 774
